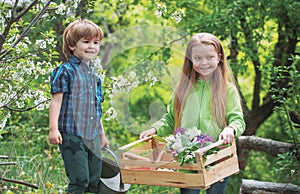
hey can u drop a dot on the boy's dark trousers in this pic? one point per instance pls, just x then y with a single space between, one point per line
82 166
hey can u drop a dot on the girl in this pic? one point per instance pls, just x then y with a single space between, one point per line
205 97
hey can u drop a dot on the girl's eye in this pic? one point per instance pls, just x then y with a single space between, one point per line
210 57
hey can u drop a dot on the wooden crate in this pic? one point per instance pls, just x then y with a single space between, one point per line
146 162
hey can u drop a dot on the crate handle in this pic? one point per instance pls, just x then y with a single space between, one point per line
210 146
135 142
135 156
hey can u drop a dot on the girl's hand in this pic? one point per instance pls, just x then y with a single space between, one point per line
148 133
227 135
55 137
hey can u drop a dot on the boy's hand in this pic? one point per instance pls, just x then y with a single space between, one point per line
55 137
104 141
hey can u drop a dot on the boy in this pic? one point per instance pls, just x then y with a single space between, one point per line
75 108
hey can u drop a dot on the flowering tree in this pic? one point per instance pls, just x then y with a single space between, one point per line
28 53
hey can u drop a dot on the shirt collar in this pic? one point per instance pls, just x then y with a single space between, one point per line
75 60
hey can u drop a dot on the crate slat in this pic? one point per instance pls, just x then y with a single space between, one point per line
158 178
125 163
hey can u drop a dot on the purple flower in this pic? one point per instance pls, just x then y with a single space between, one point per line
203 139
179 131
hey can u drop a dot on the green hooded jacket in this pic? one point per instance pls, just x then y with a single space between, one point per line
197 112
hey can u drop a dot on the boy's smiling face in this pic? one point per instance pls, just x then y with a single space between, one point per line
86 49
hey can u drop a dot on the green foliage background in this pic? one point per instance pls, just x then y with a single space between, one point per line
24 138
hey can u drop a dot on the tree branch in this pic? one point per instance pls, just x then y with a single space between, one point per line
253 186
19 182
24 33
7 163
4 157
23 110
14 19
24 11
264 145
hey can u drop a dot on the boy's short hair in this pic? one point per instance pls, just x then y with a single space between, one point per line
79 29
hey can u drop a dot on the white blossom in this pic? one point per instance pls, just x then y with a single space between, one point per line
8 14
42 72
4 120
153 81
111 114
20 104
44 1
160 9
60 9
42 43
132 74
50 41
191 155
177 15
132 86
292 172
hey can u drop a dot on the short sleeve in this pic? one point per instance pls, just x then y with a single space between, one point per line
59 80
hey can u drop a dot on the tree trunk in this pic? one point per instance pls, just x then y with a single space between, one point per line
255 187
264 145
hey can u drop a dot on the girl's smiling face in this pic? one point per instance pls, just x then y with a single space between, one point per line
205 60
86 49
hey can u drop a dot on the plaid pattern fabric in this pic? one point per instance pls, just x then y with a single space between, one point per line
82 96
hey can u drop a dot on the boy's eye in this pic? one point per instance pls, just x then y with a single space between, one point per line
210 57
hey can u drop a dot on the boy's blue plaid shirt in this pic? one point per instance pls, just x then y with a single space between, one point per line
82 96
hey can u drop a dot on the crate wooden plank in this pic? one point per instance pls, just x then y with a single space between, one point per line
158 178
124 163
